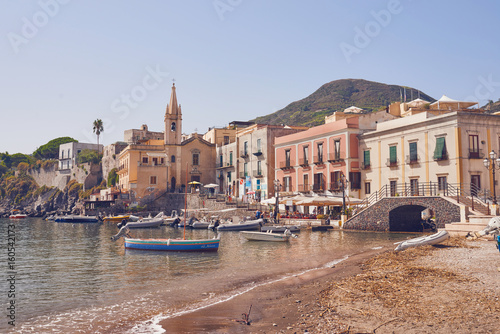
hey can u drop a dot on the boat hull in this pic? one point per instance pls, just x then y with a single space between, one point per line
280 228
18 216
265 236
173 245
145 224
243 226
422 241
76 219
116 218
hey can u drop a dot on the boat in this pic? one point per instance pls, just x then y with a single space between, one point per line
267 236
321 228
280 228
180 245
173 245
247 225
156 222
169 220
116 218
18 216
76 219
201 225
421 241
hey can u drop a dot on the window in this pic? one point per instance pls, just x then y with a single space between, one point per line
196 159
414 187
245 169
367 188
145 160
226 140
172 126
320 153
306 182
220 161
228 177
245 148
287 184
287 158
259 167
366 158
335 178
62 154
258 145
336 145
442 183
393 157
473 146
318 182
355 180
155 161
440 150
413 152
152 180
172 158
394 187
162 161
306 154
231 158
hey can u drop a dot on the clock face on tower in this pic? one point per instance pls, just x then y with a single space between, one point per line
172 127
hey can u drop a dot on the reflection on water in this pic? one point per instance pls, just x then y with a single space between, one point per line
72 277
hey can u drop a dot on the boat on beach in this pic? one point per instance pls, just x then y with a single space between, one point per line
422 241
76 219
267 236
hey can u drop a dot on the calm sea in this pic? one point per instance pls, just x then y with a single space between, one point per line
71 278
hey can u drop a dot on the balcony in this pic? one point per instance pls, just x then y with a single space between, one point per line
334 157
334 187
304 162
366 165
318 187
244 154
257 173
392 163
318 160
412 159
304 188
224 165
257 153
286 165
476 154
243 175
444 156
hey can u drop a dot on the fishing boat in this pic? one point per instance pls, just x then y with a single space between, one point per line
247 225
280 228
267 236
422 241
116 219
76 219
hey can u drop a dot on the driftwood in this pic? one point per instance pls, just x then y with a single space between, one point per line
245 317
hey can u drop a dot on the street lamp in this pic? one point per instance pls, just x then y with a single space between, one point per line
343 183
277 188
491 164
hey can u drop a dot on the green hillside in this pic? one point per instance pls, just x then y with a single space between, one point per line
336 96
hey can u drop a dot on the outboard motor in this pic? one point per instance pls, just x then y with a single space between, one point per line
123 232
122 223
217 223
175 223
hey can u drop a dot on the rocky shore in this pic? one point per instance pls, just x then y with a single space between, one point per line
449 288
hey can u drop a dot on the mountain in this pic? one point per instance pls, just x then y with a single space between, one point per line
491 106
336 96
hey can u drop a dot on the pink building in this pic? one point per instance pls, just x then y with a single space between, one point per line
316 159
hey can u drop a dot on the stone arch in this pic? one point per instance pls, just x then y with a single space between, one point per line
406 218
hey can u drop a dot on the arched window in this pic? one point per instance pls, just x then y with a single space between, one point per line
172 127
172 158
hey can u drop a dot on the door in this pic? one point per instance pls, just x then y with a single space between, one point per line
475 184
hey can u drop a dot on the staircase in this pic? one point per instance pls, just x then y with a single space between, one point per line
476 223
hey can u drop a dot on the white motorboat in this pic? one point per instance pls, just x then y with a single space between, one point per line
247 225
267 236
153 222
421 241
280 228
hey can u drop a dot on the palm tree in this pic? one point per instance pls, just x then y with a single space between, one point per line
98 128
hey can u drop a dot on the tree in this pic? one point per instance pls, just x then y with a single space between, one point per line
88 156
98 128
51 149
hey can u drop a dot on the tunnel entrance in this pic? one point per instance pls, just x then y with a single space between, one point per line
406 218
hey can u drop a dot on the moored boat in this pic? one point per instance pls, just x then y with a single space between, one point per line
179 245
76 219
156 222
267 236
18 216
116 218
241 226
422 241
280 228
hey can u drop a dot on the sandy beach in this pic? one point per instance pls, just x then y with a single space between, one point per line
449 288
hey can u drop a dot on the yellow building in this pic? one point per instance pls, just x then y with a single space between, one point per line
168 164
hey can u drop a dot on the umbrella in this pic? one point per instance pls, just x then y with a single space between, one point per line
251 192
211 185
271 200
194 182
320 201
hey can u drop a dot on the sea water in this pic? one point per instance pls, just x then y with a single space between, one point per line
71 278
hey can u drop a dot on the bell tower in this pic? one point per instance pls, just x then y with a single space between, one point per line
173 120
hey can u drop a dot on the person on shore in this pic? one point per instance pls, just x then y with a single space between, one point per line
257 214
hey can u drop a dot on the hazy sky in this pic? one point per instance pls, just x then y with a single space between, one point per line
66 63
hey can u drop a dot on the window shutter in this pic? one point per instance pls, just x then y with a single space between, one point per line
393 154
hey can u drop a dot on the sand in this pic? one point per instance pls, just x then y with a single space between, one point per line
450 288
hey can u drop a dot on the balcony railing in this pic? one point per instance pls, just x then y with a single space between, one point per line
318 187
366 165
392 163
257 173
334 157
304 188
303 162
334 187
243 175
286 165
244 154
476 154
258 152
224 165
412 159
318 160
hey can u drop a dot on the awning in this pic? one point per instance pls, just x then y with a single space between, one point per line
446 103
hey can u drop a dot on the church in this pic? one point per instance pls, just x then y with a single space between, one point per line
150 165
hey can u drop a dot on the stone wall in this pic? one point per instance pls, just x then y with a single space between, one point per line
376 217
86 174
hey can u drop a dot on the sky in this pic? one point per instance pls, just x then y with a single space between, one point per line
66 63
